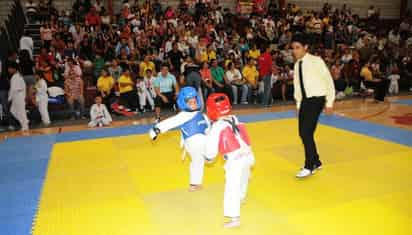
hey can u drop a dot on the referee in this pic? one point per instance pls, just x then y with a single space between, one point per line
313 91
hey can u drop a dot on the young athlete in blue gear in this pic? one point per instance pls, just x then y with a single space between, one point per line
193 125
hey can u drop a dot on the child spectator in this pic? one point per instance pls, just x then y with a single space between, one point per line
42 98
98 114
145 90
394 78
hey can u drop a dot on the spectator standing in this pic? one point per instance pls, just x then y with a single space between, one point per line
265 72
73 88
17 96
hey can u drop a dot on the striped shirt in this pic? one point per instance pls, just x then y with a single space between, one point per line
74 87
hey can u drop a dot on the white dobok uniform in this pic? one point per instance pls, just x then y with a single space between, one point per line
193 126
229 137
99 116
17 97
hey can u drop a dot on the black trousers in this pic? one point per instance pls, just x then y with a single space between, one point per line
379 88
309 112
129 99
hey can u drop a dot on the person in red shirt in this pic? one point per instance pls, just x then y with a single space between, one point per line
92 18
44 56
265 71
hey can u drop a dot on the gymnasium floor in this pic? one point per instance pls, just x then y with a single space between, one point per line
115 181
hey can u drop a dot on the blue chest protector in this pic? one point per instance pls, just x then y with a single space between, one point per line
196 125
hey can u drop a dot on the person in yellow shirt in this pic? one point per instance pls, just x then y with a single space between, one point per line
128 97
201 53
230 59
366 73
254 53
105 85
251 75
377 84
145 65
295 8
211 53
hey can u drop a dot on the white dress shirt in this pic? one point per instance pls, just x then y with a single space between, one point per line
317 80
233 75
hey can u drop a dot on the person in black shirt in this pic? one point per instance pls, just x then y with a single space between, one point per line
175 60
5 85
27 67
4 91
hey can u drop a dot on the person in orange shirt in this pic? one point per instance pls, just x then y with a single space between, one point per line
207 79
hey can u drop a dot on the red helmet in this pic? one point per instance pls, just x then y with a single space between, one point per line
217 105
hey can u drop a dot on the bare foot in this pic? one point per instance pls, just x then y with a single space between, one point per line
233 223
195 187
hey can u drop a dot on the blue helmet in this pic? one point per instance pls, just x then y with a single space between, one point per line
185 94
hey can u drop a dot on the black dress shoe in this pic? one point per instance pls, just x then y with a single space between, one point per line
317 166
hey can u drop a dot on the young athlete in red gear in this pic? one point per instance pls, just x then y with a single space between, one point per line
228 137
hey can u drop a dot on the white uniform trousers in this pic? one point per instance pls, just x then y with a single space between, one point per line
237 173
145 95
42 104
195 146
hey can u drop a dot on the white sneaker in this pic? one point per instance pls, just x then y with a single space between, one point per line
410 89
304 173
244 102
340 95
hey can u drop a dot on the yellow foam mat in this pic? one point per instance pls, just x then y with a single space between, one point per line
129 185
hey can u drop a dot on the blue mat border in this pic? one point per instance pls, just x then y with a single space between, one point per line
24 160
404 102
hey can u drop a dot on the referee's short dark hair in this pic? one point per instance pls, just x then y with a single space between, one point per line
301 38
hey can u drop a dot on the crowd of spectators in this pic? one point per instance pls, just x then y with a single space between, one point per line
153 47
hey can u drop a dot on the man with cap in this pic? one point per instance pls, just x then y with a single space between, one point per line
17 96
313 91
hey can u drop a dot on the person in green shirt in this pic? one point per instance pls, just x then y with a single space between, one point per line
99 64
220 82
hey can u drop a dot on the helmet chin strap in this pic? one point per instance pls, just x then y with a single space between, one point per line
192 110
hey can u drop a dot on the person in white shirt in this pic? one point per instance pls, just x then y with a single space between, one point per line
313 89
394 78
98 5
347 56
237 82
42 98
26 43
99 114
17 96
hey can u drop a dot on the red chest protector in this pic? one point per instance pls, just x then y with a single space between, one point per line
227 138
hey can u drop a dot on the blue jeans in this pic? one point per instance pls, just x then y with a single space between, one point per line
244 92
267 90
